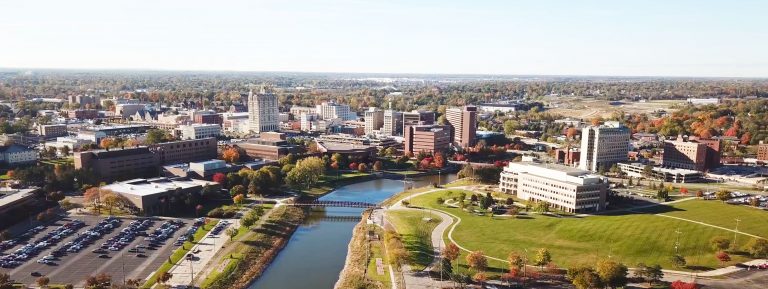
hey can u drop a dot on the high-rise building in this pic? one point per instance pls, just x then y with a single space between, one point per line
566 188
393 123
308 121
603 145
262 111
332 110
463 122
426 138
374 120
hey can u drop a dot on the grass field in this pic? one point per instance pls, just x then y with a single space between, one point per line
416 233
753 221
629 238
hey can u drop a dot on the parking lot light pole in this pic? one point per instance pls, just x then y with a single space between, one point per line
191 271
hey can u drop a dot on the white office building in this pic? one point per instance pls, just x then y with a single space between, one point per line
393 123
331 110
603 145
262 112
200 131
564 188
308 121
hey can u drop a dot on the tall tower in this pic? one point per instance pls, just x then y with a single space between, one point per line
604 145
463 122
262 111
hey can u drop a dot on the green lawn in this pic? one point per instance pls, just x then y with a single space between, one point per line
753 221
416 233
629 238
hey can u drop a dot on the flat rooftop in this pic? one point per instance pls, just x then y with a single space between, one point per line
147 187
9 196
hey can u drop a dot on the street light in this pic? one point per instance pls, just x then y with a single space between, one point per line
191 270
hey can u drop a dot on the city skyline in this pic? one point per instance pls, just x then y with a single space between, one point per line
595 38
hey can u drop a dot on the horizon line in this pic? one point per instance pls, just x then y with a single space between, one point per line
374 73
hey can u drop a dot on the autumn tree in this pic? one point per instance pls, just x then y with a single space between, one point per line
451 252
238 199
720 243
683 285
107 143
231 155
43 282
477 261
584 278
613 274
543 257
237 190
723 257
377 166
758 248
362 167
219 178
723 195
439 160
164 277
516 261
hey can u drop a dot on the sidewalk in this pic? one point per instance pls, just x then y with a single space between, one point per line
208 246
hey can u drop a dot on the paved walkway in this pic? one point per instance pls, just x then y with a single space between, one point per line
223 251
206 248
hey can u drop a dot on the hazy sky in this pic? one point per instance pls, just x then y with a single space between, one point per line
659 38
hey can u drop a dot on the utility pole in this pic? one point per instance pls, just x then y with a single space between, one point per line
677 241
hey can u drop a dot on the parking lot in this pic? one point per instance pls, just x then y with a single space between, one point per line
93 247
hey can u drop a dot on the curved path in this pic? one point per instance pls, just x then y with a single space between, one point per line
448 223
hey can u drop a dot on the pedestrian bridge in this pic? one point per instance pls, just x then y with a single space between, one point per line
337 204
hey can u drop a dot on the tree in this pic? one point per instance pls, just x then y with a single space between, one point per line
543 257
542 207
155 136
377 166
720 243
231 155
107 143
723 257
723 195
477 261
613 274
446 268
101 281
439 160
516 261
238 199
43 282
64 150
164 277
758 248
699 194
231 232
219 178
306 173
487 201
362 167
647 171
451 252
683 191
584 278
651 274
480 277
683 285
237 190
678 260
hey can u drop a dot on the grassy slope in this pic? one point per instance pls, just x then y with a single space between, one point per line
416 233
179 253
630 238
716 213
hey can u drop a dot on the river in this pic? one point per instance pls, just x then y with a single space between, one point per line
316 252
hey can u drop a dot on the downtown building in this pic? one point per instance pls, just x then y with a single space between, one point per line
426 138
332 110
603 146
262 112
144 161
393 123
463 123
374 120
564 188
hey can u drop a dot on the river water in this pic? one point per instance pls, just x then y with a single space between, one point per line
317 250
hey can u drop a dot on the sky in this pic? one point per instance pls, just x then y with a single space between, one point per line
544 37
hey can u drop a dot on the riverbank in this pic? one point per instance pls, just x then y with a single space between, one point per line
260 249
354 274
